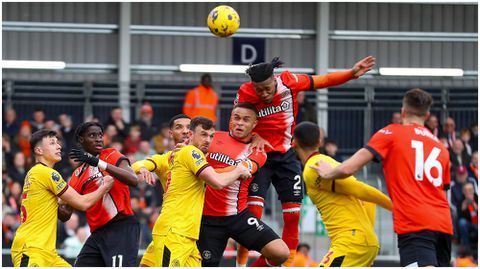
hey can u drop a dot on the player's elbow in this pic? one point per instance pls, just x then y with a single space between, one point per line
346 170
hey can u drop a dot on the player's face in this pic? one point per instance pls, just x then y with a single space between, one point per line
51 149
202 138
92 140
242 122
266 89
180 131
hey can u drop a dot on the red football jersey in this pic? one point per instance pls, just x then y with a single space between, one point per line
416 166
117 200
227 151
276 121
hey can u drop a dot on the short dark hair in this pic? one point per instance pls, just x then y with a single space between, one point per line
417 102
206 124
307 135
247 106
176 117
38 136
39 109
303 245
83 127
262 71
330 141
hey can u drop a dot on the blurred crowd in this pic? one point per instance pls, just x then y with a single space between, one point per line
146 137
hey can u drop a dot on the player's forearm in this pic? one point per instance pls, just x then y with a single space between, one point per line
150 166
123 175
88 200
222 180
332 79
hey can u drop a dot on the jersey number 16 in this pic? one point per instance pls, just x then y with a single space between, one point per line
430 162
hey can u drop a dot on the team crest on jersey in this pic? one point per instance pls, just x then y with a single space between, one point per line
175 263
207 255
196 155
254 187
55 177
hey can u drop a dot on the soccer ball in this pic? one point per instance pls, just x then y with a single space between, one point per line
223 21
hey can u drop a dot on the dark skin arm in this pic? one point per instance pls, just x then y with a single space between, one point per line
124 173
64 212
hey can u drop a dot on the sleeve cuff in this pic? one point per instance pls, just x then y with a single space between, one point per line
120 160
201 169
312 83
378 157
154 164
63 191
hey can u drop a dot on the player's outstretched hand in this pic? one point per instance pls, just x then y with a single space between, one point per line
243 171
259 143
79 155
107 183
323 168
146 176
363 66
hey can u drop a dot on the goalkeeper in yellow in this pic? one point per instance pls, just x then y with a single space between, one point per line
347 206
159 163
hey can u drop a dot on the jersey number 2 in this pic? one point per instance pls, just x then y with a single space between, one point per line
430 162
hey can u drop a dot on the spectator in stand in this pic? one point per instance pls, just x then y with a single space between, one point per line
14 198
117 144
331 149
464 258
19 170
145 231
67 229
465 137
132 142
148 130
10 224
163 142
473 167
38 119
144 150
10 125
474 133
432 124
461 178
396 118
302 258
306 110
51 125
117 120
458 155
468 215
109 135
202 100
7 152
68 133
449 132
74 244
23 140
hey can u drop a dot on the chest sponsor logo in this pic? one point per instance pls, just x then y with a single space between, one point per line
284 106
223 158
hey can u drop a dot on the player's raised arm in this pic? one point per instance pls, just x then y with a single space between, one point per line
144 169
340 77
346 169
363 192
123 172
83 202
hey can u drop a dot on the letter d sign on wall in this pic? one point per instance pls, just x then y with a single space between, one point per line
248 50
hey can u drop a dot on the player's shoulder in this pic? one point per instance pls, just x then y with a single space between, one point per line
246 93
189 151
289 78
45 172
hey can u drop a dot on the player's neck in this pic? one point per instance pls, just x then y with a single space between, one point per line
305 154
414 120
41 159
